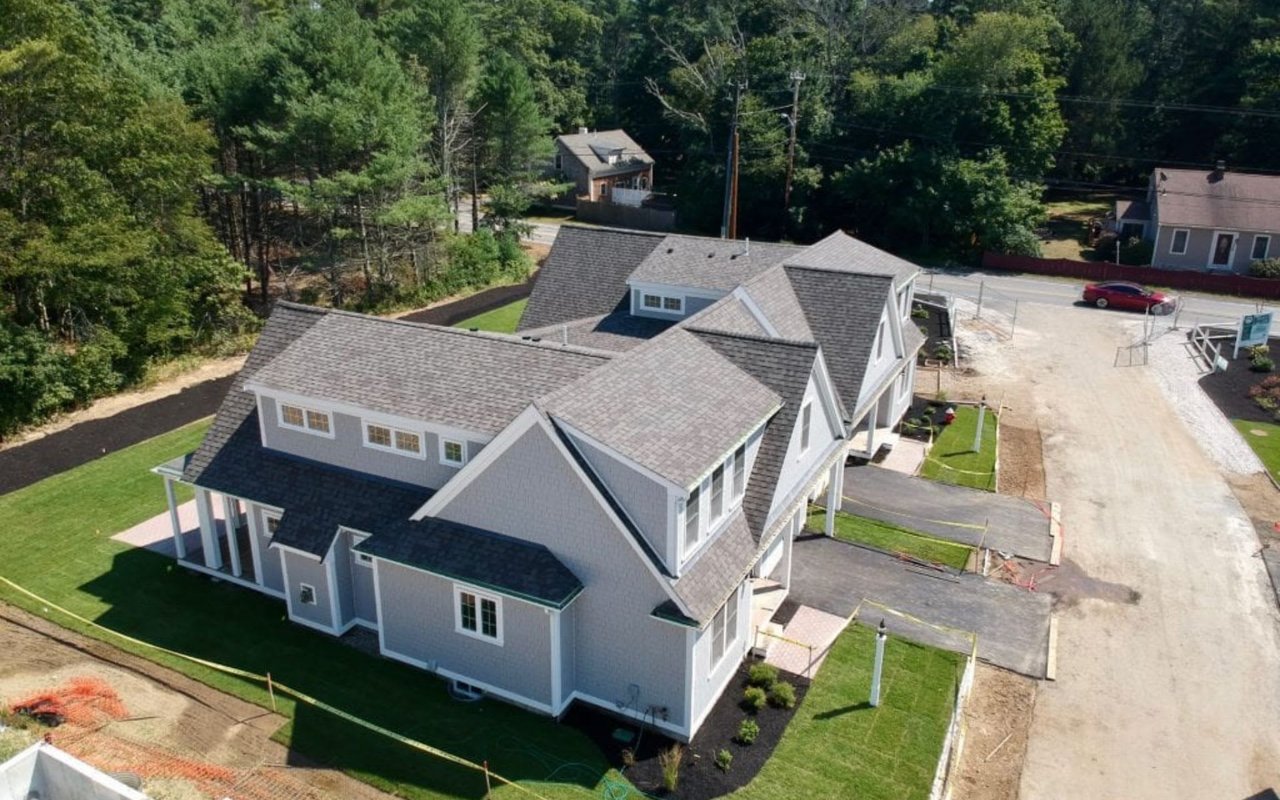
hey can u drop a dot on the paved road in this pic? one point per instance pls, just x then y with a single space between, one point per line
542 233
1001 289
1168 679
1012 624
997 521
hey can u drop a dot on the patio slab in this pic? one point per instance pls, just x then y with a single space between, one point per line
808 628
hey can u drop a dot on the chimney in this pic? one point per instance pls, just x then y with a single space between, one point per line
582 130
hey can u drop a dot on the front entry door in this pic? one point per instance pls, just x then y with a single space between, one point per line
1224 250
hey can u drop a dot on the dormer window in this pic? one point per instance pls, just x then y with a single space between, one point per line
383 437
692 522
717 493
452 453
806 422
305 419
739 471
658 302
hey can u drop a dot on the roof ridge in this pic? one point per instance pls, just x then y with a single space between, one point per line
751 337
507 338
853 272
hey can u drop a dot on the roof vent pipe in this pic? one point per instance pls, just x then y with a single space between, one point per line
564 334
747 252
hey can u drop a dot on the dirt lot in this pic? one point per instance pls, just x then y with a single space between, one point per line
182 738
997 718
1169 634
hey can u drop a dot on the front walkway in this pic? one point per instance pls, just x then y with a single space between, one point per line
1011 624
1012 524
805 641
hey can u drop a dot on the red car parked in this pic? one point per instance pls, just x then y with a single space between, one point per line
1128 296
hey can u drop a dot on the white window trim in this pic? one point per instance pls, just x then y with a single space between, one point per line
1254 246
1173 237
301 588
458 590
391 448
687 548
445 460
662 299
363 559
305 427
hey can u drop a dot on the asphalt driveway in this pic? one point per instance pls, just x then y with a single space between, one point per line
1011 624
1013 525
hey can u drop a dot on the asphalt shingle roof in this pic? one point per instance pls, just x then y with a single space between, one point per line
316 498
703 263
840 252
709 580
1237 201
672 405
474 381
616 332
594 147
585 275
477 556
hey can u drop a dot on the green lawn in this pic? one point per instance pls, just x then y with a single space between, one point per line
500 320
892 539
55 541
839 747
1266 442
1068 225
951 459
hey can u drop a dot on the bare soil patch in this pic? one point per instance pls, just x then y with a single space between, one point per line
181 737
997 718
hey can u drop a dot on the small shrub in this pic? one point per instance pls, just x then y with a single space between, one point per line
748 731
920 312
754 698
669 760
724 759
762 675
1266 268
1262 364
1266 403
943 353
782 695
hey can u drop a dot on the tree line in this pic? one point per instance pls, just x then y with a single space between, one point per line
162 161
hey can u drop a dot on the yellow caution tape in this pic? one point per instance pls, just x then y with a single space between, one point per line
276 685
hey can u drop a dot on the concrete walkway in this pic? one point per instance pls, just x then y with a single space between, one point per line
949 512
809 628
1012 624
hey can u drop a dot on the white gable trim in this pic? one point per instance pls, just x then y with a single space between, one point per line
756 312
827 394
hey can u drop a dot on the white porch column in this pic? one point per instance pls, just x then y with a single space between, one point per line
179 546
833 498
255 549
233 546
873 417
208 529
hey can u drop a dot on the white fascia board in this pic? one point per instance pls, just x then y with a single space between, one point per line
895 321
311 556
388 420
621 457
749 303
827 393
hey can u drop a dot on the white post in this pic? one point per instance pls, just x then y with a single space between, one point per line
208 529
878 668
833 500
982 418
1013 326
229 524
982 286
179 546
255 550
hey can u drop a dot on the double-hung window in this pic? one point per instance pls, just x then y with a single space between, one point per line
739 471
691 518
305 419
724 629
478 615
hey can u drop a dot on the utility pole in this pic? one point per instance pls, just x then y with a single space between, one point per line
794 119
728 228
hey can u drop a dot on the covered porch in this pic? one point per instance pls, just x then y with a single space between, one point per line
214 533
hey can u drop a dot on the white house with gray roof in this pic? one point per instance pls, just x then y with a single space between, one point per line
578 513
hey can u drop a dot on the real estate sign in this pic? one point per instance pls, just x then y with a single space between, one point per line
1254 329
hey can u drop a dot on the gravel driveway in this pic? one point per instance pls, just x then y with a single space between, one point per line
1169 654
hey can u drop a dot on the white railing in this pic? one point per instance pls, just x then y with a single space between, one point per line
1203 341
629 197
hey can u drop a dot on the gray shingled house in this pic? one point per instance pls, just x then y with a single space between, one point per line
582 511
1205 219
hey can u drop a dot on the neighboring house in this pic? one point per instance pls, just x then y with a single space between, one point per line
580 512
604 166
43 772
1215 219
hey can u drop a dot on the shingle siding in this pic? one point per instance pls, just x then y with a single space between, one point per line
272 575
709 681
418 621
347 449
644 499
619 643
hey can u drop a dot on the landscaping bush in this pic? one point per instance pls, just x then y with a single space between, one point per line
943 353
669 760
762 675
782 695
754 698
748 731
920 312
1266 395
1260 358
1136 252
1266 268
724 759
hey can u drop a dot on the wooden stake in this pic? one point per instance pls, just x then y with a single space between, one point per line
488 787
271 690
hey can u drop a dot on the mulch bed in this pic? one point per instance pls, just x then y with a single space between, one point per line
932 326
1229 390
700 778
